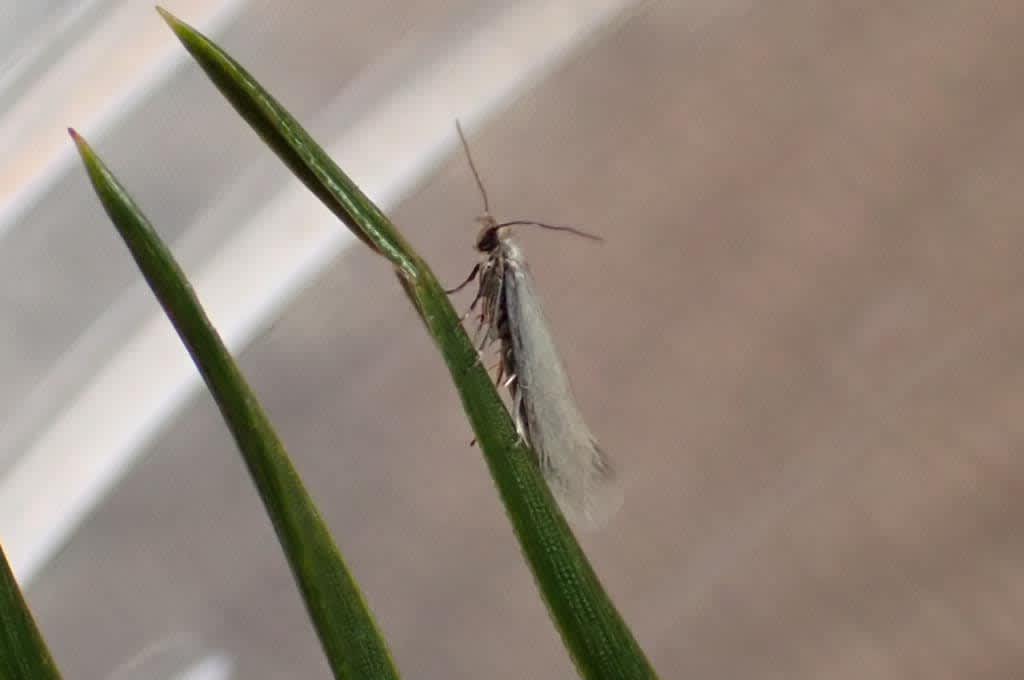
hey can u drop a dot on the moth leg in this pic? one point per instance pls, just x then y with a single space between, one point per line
476 298
476 335
480 348
517 413
483 343
472 275
472 305
490 317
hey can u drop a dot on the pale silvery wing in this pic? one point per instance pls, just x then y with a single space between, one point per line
578 472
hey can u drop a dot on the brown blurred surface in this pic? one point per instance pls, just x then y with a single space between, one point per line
800 341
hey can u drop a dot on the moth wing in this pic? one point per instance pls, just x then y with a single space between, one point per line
580 474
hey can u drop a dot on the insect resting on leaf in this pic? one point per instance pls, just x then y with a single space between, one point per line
576 469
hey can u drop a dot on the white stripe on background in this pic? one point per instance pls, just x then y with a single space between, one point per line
90 88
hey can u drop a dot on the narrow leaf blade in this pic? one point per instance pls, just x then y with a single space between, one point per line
300 152
23 654
354 647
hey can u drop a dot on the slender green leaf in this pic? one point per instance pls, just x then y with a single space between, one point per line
600 643
294 146
354 646
23 654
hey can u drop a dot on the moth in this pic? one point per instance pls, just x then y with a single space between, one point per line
578 471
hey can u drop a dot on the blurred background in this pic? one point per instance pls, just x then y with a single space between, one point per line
800 339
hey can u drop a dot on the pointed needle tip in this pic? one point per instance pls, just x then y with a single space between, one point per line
166 16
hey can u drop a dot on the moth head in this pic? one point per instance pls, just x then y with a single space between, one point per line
487 239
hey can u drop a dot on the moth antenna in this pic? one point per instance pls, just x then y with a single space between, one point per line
472 166
555 227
